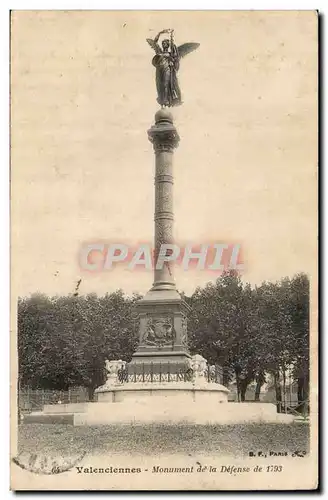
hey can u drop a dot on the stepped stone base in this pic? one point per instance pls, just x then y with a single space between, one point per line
160 405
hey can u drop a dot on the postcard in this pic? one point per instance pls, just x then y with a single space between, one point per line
164 225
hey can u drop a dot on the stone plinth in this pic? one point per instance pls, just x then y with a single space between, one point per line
177 412
174 411
162 329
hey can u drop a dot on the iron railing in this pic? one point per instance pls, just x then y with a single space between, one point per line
34 399
298 409
166 372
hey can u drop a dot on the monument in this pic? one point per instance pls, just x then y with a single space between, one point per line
163 383
162 357
163 314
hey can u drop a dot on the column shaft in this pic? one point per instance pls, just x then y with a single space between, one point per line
164 138
163 216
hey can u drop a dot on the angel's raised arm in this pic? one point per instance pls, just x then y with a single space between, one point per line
157 36
154 43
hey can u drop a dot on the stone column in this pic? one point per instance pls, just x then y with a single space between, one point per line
164 138
162 312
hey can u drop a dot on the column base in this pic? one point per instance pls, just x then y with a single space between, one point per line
163 330
163 285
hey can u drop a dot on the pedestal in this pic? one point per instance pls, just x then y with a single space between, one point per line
162 330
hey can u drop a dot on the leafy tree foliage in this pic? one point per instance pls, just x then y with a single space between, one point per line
253 331
64 341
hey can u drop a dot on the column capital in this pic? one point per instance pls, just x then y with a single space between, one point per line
163 135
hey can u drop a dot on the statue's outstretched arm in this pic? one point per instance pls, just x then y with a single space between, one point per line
161 33
157 36
154 43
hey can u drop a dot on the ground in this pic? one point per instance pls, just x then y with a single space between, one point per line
157 439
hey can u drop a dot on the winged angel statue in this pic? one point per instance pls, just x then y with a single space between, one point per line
167 63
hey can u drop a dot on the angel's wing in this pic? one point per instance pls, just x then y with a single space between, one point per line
186 48
153 44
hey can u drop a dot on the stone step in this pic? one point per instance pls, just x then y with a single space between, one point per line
166 412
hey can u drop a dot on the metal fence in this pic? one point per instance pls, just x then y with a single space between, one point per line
299 409
34 399
166 372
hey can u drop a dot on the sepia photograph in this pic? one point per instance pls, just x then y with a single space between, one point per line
164 250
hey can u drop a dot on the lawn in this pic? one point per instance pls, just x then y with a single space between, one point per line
234 440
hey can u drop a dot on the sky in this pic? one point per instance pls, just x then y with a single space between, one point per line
82 98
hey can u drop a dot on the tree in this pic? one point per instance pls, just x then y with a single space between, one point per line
220 328
299 312
282 320
251 332
64 341
274 327
36 321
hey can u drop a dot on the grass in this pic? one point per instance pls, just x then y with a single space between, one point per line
234 440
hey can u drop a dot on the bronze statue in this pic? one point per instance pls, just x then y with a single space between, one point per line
167 62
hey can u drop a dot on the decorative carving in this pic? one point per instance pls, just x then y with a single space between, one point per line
184 334
163 197
164 136
164 178
163 232
159 331
198 364
164 168
163 235
113 368
164 140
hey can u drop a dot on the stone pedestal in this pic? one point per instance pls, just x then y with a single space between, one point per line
162 329
164 393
